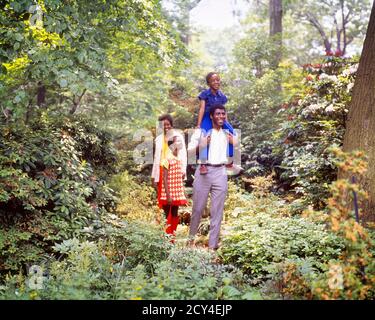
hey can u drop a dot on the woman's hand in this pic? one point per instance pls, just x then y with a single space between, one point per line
169 200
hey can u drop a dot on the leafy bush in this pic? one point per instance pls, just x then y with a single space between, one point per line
255 242
139 242
86 273
136 201
48 190
352 274
187 274
312 124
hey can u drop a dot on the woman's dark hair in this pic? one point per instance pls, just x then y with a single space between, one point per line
209 75
166 117
215 107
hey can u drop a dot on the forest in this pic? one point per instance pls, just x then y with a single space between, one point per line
82 85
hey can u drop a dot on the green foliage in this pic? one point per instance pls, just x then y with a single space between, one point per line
313 124
138 242
187 274
254 99
20 247
47 180
135 200
352 274
86 273
68 49
255 242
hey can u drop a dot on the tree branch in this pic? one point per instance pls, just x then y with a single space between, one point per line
314 21
76 103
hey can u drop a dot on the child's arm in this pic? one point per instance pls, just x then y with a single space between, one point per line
165 181
202 106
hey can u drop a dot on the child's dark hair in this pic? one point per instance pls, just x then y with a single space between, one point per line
215 107
209 75
166 117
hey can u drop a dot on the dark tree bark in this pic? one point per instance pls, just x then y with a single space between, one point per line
360 126
276 14
41 95
276 29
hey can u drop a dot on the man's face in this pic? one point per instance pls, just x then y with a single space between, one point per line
218 117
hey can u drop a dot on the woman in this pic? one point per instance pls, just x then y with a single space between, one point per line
171 186
162 150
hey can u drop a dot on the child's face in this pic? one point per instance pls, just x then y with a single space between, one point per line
214 82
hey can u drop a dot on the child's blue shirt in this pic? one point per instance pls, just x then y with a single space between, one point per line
211 99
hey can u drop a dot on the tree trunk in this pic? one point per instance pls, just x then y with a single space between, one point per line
186 6
41 95
360 126
276 14
276 29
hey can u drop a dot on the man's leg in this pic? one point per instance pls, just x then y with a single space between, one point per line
218 194
201 188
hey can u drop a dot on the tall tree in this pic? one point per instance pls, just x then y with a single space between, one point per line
180 14
338 22
360 125
276 28
57 52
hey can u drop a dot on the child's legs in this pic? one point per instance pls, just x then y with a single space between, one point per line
206 127
227 126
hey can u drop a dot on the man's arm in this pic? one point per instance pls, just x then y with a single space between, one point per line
233 139
197 141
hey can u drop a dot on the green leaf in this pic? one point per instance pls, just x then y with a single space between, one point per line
63 83
3 69
18 37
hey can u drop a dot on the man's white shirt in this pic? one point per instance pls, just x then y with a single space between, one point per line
217 151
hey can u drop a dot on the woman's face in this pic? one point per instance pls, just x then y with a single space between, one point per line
166 125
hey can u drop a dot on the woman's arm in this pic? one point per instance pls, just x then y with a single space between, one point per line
165 181
202 106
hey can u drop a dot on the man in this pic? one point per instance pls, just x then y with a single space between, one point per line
216 179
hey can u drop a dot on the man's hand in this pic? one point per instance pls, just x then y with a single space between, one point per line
232 139
153 183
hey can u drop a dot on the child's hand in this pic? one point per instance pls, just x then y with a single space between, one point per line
230 138
208 139
204 141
